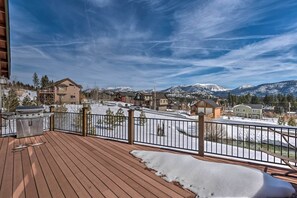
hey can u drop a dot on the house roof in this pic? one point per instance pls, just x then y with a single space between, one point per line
5 64
211 103
160 95
255 106
60 81
129 94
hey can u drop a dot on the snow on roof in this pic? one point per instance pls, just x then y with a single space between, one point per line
208 179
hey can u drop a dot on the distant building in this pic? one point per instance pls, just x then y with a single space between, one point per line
64 91
106 96
127 97
248 110
161 101
176 105
208 107
158 101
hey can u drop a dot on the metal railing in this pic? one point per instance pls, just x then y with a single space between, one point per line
68 122
177 134
256 142
8 127
251 141
115 127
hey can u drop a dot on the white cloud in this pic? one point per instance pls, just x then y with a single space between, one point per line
101 3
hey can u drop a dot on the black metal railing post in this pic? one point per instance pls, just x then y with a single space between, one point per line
201 135
84 121
131 127
52 118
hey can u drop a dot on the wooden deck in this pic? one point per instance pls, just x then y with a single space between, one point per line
73 166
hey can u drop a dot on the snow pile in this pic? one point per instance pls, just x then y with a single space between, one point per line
214 179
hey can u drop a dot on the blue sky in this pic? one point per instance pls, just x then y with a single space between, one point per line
142 43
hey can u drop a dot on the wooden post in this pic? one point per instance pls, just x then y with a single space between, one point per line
52 118
84 121
201 134
131 127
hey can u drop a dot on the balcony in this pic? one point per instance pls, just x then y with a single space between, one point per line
99 164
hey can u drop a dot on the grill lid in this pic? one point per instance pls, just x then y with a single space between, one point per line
29 109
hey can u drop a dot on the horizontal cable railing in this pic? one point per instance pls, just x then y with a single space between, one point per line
178 134
68 122
252 142
109 126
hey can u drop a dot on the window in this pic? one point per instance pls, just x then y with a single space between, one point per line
62 89
72 96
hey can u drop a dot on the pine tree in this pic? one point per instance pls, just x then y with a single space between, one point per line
292 122
109 119
35 80
11 101
27 101
45 81
120 116
142 118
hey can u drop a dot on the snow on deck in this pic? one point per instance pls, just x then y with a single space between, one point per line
210 179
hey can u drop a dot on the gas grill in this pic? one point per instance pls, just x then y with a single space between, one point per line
29 120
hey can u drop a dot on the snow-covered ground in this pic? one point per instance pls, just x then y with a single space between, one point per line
210 179
32 94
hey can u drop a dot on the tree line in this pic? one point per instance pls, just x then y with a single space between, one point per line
281 102
42 82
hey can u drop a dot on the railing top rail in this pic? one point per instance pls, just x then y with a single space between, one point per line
275 126
177 120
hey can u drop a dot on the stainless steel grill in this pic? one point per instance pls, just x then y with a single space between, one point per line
29 121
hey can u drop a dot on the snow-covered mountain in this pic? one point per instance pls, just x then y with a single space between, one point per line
196 88
120 89
284 87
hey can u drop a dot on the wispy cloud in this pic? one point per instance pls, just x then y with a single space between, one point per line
145 42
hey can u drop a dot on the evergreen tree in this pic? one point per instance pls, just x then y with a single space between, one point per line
45 81
292 122
35 80
109 119
255 100
11 101
27 101
142 119
120 116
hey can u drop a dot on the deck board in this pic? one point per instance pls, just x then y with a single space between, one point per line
108 170
130 162
18 181
135 178
96 170
29 181
7 180
52 183
67 189
69 165
70 176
